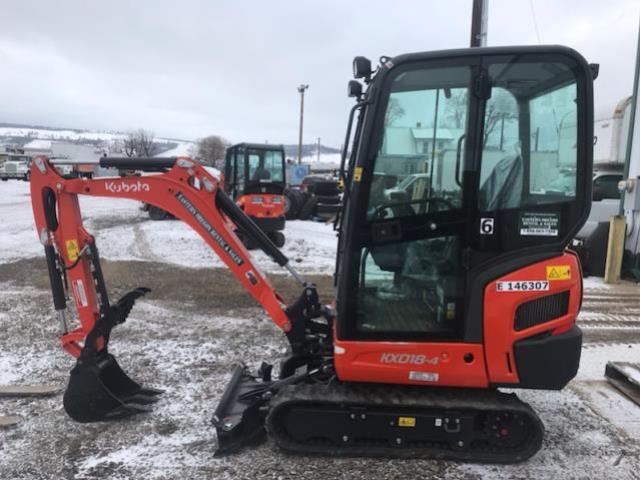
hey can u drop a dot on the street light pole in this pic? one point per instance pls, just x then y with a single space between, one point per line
301 89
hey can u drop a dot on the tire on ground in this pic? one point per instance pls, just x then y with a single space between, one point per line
322 186
292 200
328 199
308 208
277 238
327 209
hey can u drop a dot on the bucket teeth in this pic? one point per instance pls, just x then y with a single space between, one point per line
150 391
140 399
126 410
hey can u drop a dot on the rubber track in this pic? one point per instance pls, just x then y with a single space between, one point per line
346 395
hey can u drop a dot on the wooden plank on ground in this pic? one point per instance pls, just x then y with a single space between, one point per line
28 390
8 420
625 377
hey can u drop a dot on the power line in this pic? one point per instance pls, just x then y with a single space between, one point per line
535 21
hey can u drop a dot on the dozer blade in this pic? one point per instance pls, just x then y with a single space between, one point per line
239 417
99 390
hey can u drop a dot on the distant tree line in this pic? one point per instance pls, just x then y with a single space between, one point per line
211 151
140 143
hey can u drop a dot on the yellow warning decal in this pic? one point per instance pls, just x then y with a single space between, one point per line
559 272
72 249
406 421
357 174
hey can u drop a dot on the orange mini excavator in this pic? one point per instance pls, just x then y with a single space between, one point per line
255 177
448 287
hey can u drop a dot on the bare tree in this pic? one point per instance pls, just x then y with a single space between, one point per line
500 107
140 143
394 112
211 150
456 109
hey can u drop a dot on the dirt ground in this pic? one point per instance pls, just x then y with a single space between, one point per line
186 336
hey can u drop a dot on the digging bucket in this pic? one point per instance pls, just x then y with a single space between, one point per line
99 390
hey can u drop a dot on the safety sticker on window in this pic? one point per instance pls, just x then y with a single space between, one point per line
523 286
539 224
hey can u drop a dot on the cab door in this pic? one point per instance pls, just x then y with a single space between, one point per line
408 245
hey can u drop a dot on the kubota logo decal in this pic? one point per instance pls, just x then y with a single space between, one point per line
123 187
407 358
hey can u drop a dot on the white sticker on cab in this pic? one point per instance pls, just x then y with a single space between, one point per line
523 286
423 376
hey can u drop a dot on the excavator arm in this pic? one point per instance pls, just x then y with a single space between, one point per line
98 388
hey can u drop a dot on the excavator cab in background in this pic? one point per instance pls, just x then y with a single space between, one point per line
446 290
255 177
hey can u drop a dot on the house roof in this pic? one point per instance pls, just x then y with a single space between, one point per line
427 134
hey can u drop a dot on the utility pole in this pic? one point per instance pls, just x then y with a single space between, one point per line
301 89
479 15
318 150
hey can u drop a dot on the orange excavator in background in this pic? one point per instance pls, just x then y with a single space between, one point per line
445 291
255 177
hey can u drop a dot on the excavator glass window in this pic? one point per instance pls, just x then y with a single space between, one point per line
250 168
265 165
461 162
418 163
546 153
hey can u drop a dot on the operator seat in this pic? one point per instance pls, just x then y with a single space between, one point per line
503 188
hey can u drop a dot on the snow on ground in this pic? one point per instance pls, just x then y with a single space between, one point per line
75 135
57 134
183 149
124 232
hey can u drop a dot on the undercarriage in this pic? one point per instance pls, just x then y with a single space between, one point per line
331 418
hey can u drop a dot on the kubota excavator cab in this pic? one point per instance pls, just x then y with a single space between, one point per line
468 270
255 177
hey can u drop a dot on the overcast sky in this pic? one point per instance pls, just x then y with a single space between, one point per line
185 69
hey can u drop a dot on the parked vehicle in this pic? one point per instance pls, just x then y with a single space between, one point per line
255 178
15 165
591 240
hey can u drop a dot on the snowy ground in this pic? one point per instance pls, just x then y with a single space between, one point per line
186 336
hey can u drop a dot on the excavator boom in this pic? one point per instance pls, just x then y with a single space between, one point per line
99 388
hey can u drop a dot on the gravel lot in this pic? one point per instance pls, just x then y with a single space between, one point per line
197 323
